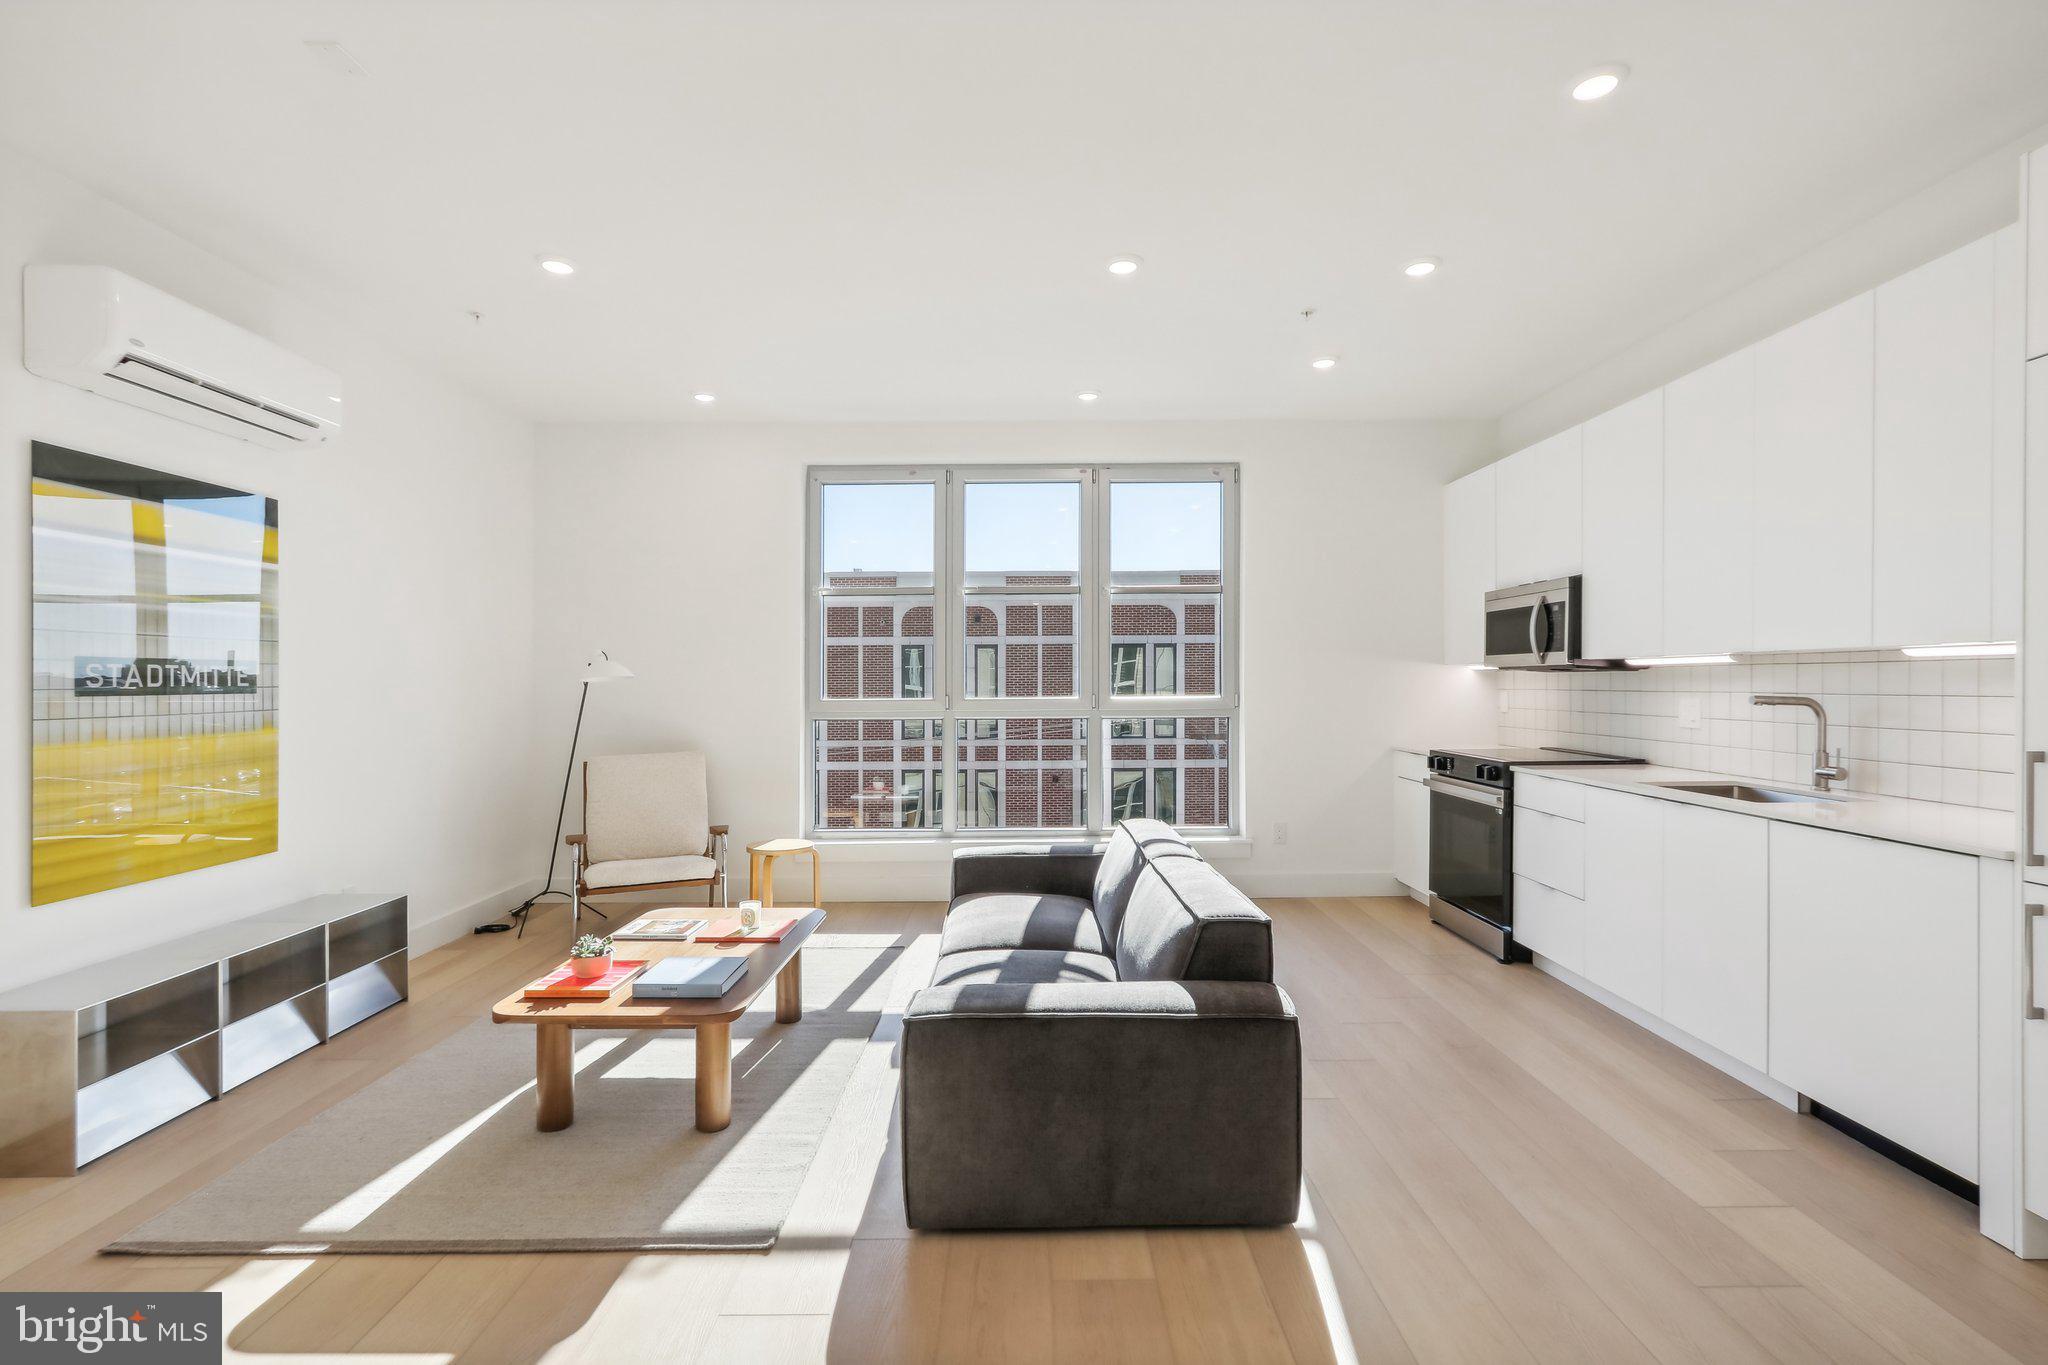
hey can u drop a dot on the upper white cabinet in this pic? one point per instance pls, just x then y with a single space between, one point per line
1812 585
1622 530
1709 440
2008 430
1717 929
1932 498
1468 565
2034 670
1873 977
2036 183
1624 885
1536 512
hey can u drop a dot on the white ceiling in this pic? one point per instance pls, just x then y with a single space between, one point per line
897 210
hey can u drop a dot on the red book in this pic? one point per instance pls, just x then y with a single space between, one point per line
563 984
727 930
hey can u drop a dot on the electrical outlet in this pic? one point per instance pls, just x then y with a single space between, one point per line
1688 713
1280 832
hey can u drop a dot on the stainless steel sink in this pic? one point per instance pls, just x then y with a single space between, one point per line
1742 791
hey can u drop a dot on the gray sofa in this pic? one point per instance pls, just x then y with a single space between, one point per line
1101 1045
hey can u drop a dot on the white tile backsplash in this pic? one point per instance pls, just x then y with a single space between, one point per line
1933 729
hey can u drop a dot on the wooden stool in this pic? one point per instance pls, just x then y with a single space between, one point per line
761 867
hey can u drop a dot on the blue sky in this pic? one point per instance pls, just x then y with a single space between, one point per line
880 527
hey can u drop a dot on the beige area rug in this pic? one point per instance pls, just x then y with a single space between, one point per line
441 1155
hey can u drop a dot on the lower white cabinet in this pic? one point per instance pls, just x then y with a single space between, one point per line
1624 870
1549 922
1411 833
1873 986
1717 929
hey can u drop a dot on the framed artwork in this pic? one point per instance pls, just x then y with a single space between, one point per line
154 695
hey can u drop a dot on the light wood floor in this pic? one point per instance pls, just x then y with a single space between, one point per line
1498 1170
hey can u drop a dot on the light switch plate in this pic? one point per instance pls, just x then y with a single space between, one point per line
1688 713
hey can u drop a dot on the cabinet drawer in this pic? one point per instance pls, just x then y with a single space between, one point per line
1566 800
1551 851
1551 923
1412 767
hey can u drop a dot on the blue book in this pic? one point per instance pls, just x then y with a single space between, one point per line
688 978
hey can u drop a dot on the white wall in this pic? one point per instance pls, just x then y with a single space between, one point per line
405 631
1971 203
680 550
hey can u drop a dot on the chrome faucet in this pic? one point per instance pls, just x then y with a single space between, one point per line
1824 770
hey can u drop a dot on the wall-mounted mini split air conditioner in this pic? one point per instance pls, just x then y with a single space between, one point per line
101 330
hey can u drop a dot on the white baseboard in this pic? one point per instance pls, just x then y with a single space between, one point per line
445 928
1678 1038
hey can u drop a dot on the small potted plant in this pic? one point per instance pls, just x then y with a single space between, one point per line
590 956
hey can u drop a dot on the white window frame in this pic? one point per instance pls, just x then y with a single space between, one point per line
946 689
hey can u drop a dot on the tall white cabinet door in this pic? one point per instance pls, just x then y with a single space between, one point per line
1709 467
1622 530
1874 986
1813 481
1536 511
1468 565
1717 929
2008 430
1932 451
2034 639
2036 181
1625 896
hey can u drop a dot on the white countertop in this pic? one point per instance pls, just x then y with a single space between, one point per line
1930 824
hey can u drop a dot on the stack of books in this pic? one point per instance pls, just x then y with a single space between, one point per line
773 928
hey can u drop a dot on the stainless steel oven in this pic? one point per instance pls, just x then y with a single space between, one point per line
1535 625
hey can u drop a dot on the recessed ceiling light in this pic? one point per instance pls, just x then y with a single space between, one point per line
1598 83
1087 395
555 265
705 397
1421 268
1125 265
1323 362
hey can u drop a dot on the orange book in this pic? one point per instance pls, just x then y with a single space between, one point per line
563 984
727 930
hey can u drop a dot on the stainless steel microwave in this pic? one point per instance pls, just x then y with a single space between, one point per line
1537 626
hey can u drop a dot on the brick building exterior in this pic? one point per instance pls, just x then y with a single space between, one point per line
1020 640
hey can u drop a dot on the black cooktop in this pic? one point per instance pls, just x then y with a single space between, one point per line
1490 767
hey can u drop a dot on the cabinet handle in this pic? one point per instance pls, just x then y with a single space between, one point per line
2028 1009
2035 758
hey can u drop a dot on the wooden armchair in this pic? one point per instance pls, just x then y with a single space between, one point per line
645 829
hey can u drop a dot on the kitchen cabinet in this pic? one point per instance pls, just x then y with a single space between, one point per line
1873 986
1932 453
1549 922
2034 672
1813 482
1536 512
1550 850
1709 468
2008 431
1717 929
2035 182
1624 885
1468 565
1622 530
1411 823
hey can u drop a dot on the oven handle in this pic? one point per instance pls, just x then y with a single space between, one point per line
1467 791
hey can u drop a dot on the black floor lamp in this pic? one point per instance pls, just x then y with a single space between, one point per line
602 669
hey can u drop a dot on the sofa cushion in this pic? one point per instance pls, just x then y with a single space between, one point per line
1020 919
1130 846
1030 966
648 871
1184 922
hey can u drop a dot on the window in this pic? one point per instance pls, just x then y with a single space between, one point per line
1052 647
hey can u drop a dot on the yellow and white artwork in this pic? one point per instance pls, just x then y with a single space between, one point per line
154 697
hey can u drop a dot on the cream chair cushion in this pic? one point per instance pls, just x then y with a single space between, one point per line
644 806
647 871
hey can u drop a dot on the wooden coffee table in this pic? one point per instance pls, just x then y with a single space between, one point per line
554 1020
